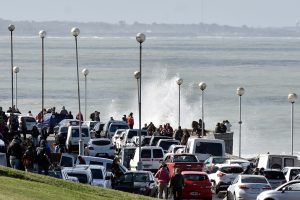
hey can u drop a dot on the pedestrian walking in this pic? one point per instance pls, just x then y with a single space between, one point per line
130 120
163 178
177 184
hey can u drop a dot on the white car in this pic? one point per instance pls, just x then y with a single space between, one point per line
247 187
100 147
287 191
99 175
174 147
244 163
166 143
81 175
224 176
290 172
72 141
116 136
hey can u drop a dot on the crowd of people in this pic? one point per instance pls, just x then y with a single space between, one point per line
223 127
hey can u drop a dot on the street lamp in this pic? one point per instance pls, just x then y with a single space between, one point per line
140 38
75 32
202 87
85 72
16 71
240 91
42 35
11 28
179 82
292 99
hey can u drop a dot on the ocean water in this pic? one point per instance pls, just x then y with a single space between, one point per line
268 69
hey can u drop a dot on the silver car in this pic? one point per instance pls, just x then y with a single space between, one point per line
287 191
247 187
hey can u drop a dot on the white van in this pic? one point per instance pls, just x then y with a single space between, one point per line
151 158
272 161
72 141
204 148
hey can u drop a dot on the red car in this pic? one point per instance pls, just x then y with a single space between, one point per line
196 185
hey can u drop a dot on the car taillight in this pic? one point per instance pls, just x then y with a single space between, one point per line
243 187
220 174
267 188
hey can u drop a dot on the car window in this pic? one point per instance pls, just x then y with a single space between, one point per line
219 160
82 178
158 153
254 180
288 162
140 177
293 187
84 132
146 153
185 158
278 175
126 177
131 134
29 119
97 173
195 177
276 163
215 149
230 170
108 167
66 161
93 162
166 144
295 172
101 142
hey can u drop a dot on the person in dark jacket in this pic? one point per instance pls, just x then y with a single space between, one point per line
177 184
42 158
15 153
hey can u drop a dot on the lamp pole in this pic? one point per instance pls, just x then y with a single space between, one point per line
240 91
11 28
75 32
179 81
85 72
292 99
42 35
140 38
16 71
202 87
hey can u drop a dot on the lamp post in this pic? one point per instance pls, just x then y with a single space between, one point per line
85 72
179 81
202 87
42 35
11 28
292 99
16 71
140 38
240 91
75 32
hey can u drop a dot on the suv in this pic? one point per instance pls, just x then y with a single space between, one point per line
224 175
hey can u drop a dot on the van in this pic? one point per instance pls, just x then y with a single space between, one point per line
204 148
273 161
72 141
151 158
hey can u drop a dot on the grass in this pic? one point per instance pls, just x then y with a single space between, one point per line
15 185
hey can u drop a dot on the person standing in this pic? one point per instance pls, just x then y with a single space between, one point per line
15 153
163 177
178 134
177 184
130 120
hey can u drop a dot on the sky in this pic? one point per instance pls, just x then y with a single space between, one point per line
253 13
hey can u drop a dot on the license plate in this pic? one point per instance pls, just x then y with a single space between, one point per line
194 193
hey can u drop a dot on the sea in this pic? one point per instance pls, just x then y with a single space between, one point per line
267 68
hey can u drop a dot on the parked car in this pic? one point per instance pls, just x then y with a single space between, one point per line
185 162
166 143
290 173
174 147
139 182
275 177
72 141
99 175
271 161
247 187
81 175
151 158
224 176
287 191
196 185
209 163
29 121
100 147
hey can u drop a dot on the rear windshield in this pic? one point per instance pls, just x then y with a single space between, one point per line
114 127
82 178
195 177
146 153
254 180
97 174
131 134
141 177
185 158
231 170
166 144
214 149
157 138
101 142
158 153
274 175
84 132
219 160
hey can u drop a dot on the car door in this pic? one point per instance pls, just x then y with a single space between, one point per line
125 183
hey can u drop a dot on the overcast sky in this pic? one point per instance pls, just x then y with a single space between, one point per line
254 13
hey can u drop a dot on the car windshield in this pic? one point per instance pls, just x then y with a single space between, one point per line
141 177
195 177
256 179
166 144
82 178
97 173
278 175
219 160
231 170
64 129
101 142
185 158
214 149
84 132
114 127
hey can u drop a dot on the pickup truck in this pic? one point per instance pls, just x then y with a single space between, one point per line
183 161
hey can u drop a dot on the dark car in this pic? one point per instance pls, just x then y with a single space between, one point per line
275 177
138 182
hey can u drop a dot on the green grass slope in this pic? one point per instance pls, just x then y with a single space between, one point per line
20 185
